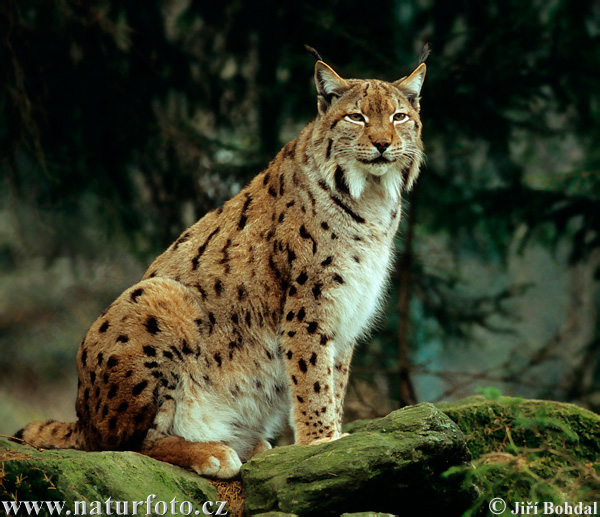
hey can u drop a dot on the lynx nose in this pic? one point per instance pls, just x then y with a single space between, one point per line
382 144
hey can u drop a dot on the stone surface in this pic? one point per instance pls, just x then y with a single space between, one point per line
521 450
28 474
393 464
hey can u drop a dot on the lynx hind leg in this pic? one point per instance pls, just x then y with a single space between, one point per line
212 459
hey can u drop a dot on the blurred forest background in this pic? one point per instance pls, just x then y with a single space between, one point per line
123 122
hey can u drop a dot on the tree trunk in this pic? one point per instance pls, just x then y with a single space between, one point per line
406 389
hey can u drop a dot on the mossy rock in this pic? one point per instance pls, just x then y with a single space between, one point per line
531 423
523 450
529 450
28 474
388 465
393 465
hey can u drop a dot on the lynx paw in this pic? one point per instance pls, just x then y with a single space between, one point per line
260 447
219 461
211 459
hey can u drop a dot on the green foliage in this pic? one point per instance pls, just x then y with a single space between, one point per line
97 103
489 392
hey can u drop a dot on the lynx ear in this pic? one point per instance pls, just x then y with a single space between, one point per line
411 85
330 86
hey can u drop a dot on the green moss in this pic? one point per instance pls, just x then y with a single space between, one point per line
530 423
27 474
413 461
388 465
529 450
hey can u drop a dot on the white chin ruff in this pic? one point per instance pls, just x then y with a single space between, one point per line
379 169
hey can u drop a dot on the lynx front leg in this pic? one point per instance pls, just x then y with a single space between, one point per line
341 373
309 361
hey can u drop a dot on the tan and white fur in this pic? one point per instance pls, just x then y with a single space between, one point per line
250 318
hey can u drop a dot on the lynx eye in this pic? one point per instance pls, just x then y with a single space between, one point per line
355 117
400 117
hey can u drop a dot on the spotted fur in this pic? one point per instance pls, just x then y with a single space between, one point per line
249 319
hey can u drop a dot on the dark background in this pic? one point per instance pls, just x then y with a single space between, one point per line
123 122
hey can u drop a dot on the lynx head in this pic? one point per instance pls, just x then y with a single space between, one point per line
369 130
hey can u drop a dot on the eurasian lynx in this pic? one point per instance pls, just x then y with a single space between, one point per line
250 317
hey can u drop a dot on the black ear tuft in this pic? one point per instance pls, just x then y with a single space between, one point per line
425 53
313 53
